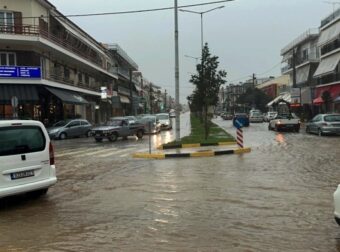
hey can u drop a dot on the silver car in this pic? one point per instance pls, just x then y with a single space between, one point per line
70 128
151 124
324 124
165 121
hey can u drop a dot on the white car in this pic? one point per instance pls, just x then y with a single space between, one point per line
26 158
165 121
270 116
336 197
255 116
288 122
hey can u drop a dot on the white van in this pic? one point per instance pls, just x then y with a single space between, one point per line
26 158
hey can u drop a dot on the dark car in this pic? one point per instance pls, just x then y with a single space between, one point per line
241 118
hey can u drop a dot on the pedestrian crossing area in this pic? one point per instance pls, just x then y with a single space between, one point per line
102 152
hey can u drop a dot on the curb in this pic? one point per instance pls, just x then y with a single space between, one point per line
193 154
195 145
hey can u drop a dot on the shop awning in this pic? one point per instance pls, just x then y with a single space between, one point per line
337 100
317 101
327 65
329 34
68 96
124 99
24 93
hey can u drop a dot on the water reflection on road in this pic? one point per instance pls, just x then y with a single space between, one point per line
276 198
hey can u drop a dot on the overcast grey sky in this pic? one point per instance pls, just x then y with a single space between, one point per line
247 35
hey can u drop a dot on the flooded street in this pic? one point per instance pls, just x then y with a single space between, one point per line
276 198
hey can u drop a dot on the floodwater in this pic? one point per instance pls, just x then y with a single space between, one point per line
276 198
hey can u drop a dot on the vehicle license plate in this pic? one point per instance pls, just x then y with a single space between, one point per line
23 174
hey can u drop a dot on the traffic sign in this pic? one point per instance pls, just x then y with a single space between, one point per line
238 124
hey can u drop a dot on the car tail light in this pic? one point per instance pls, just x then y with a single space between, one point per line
51 151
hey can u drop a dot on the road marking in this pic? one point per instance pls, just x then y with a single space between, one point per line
75 152
117 152
97 152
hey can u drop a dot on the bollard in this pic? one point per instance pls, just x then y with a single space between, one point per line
239 137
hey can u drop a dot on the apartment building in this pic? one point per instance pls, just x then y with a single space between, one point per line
300 60
328 71
53 68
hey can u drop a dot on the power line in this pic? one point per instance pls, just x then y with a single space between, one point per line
137 11
248 76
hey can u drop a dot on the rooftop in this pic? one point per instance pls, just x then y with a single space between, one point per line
309 34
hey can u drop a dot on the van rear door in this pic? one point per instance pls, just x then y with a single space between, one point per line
24 154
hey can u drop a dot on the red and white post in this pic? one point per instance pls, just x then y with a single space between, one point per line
239 137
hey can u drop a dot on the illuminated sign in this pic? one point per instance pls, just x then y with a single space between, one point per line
20 72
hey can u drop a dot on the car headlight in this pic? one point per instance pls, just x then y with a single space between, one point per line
53 131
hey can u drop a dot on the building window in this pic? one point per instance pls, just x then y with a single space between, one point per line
87 79
7 59
6 21
80 78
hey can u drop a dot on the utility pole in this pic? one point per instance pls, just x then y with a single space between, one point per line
254 79
131 97
294 67
178 132
150 97
165 94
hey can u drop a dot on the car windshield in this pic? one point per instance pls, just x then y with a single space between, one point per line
240 115
148 119
332 118
20 140
256 114
162 117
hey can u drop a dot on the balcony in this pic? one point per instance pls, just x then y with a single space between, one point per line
308 58
307 35
34 30
330 47
330 17
126 74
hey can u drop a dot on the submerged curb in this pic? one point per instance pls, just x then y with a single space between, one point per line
195 145
193 154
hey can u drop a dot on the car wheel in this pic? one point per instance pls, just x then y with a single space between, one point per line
297 129
98 139
269 128
139 134
62 136
277 128
320 132
113 137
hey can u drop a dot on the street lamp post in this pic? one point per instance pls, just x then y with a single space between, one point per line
201 14
178 132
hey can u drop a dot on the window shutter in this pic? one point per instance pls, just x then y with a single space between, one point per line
17 22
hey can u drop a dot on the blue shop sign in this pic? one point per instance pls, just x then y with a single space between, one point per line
20 72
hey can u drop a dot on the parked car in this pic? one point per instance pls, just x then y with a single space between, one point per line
118 127
324 124
269 116
288 122
26 158
336 199
227 116
132 119
242 118
151 124
165 121
255 116
70 128
172 113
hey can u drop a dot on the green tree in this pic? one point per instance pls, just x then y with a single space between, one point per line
207 81
254 97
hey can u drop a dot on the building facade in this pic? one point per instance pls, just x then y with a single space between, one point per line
49 65
301 59
327 74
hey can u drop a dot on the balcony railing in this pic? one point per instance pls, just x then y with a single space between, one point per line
330 47
310 33
330 17
34 30
311 57
126 74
